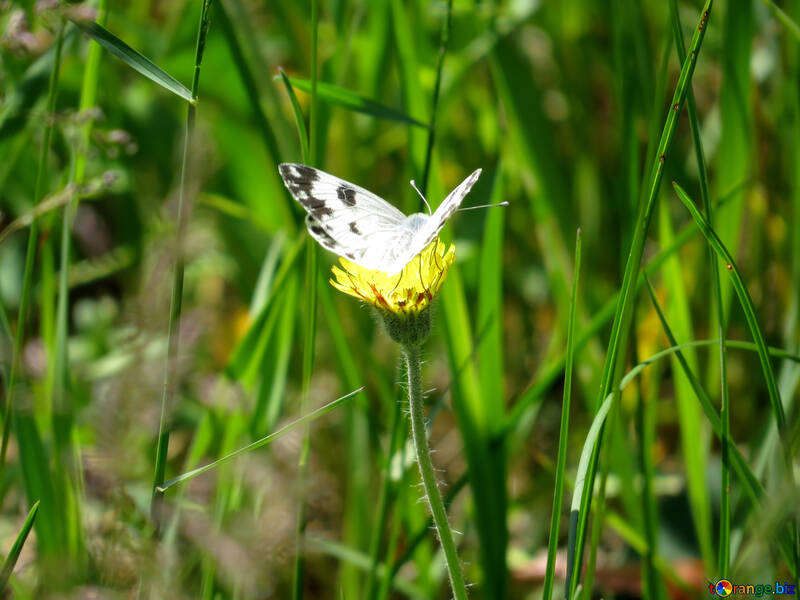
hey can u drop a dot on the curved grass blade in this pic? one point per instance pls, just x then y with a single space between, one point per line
698 485
785 19
134 59
304 420
748 480
747 306
13 554
338 96
302 131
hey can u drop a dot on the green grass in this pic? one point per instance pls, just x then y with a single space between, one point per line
166 321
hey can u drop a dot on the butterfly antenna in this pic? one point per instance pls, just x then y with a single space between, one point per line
414 185
504 203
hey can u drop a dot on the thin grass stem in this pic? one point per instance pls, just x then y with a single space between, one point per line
379 526
435 102
612 370
30 253
178 269
309 336
561 461
723 558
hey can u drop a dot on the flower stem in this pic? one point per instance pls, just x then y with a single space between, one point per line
418 432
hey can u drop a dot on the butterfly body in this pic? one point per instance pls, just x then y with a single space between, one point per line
357 224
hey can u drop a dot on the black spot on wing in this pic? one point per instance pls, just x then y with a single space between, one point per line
354 228
316 206
298 174
319 234
346 195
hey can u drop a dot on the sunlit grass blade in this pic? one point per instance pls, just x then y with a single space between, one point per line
561 463
304 420
490 295
16 548
246 353
134 59
590 446
338 96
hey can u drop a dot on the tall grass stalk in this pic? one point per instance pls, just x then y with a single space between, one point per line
30 253
178 268
614 364
435 101
309 335
561 461
723 556
379 526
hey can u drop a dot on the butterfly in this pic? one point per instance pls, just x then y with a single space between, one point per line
362 227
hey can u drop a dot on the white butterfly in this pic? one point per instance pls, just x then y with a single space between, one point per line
357 224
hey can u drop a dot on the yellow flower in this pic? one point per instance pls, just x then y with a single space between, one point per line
405 294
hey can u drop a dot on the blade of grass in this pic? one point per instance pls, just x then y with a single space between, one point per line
435 100
33 456
302 421
785 19
699 488
248 81
549 372
381 514
612 369
338 96
135 60
746 302
752 487
561 463
302 132
309 333
16 548
748 308
178 268
246 354
362 561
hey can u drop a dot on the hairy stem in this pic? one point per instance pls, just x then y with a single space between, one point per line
418 432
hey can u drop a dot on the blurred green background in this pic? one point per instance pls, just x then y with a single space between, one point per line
562 104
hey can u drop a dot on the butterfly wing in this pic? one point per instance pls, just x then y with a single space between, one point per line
433 224
345 218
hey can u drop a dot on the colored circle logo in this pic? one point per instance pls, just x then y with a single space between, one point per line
723 587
